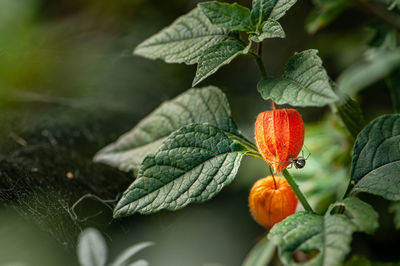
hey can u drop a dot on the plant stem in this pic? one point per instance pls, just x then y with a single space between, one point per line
379 12
259 60
297 190
274 106
261 66
272 174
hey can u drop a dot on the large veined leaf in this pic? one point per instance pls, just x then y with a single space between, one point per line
193 164
217 56
185 40
325 239
269 29
231 16
376 66
376 159
304 82
205 105
273 9
261 254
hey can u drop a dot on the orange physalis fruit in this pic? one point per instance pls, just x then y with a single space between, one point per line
270 202
279 136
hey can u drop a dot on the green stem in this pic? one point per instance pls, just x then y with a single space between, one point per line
297 190
259 60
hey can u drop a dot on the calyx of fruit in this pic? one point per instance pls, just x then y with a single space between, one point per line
280 136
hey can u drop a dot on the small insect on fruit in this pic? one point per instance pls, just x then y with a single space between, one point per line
271 200
279 135
299 161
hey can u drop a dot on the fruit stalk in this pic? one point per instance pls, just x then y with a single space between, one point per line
297 191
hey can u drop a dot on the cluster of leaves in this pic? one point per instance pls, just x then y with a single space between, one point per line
92 251
189 148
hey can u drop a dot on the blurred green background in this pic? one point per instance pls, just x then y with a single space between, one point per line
69 85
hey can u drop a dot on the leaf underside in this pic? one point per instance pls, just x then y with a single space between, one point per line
376 159
205 105
327 237
304 82
192 165
185 40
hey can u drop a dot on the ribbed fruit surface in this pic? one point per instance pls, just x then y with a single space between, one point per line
269 204
279 136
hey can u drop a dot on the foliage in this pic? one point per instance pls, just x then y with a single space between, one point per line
376 159
324 239
304 83
92 251
189 149
395 209
261 254
129 150
192 165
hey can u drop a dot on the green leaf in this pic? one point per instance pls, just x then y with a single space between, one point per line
231 16
185 40
127 254
217 56
376 159
92 248
376 66
385 36
392 4
324 13
205 105
395 209
273 9
324 239
304 82
350 112
261 254
270 29
192 165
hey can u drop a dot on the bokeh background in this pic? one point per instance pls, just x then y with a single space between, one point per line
69 85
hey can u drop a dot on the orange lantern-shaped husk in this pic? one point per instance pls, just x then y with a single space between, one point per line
279 136
270 202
